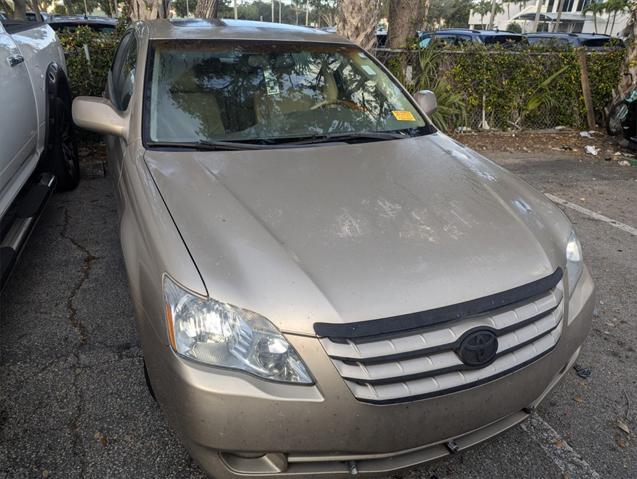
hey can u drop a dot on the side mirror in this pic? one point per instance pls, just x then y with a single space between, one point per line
98 115
426 99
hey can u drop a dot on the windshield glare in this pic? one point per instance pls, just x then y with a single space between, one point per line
216 91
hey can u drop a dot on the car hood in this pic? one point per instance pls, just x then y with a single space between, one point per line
341 233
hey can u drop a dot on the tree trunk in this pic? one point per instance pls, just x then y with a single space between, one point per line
405 17
612 27
558 19
595 21
8 9
19 9
357 21
494 4
149 9
207 9
536 20
36 9
630 65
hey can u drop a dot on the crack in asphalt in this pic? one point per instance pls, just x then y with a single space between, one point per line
87 264
77 446
74 423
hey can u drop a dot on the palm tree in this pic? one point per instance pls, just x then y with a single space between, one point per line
357 21
596 8
494 9
615 7
482 8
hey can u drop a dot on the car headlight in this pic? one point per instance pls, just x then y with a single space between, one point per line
574 262
223 335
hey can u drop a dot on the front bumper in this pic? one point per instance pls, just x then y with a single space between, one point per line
236 425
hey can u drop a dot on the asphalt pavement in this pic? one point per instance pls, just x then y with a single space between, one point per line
74 404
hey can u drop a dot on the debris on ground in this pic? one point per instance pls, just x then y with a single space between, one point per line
538 141
585 134
101 438
591 150
623 426
582 372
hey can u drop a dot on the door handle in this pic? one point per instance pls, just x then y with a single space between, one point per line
15 60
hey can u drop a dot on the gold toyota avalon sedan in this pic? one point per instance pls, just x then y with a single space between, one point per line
324 284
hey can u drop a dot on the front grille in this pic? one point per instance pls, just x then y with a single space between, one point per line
421 362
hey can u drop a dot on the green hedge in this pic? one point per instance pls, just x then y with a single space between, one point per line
500 83
88 59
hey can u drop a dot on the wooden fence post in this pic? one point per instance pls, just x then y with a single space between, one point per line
586 89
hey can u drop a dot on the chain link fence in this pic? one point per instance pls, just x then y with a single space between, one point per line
510 89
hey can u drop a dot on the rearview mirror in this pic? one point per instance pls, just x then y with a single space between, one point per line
98 115
426 99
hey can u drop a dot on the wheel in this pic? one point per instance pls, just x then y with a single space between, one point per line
615 117
62 158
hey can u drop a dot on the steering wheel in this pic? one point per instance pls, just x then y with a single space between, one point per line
348 103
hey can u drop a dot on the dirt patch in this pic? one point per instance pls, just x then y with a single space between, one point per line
92 159
547 141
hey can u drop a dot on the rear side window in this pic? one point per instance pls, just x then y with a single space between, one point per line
557 41
491 40
446 39
123 72
597 42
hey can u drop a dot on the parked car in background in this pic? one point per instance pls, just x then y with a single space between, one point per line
590 41
37 146
459 36
61 23
324 284
381 38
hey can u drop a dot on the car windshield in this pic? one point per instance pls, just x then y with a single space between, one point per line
211 91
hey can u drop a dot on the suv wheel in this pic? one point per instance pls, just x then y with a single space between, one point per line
62 157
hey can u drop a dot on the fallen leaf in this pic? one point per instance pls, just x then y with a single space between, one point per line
101 438
620 441
558 443
578 399
623 426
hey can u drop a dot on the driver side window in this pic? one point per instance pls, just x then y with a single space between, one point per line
123 72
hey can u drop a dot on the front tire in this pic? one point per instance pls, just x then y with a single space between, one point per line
62 158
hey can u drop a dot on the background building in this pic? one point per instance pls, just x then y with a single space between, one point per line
576 16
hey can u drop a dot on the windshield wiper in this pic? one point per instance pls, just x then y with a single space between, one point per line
351 137
202 145
283 142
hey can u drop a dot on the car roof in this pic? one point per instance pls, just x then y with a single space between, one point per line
216 29
566 34
468 31
81 19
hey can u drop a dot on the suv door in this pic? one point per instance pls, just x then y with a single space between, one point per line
18 115
121 81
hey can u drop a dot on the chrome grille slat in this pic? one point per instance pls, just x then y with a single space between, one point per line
424 363
446 359
442 336
451 381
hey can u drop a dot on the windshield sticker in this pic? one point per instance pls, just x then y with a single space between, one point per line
369 70
271 83
403 115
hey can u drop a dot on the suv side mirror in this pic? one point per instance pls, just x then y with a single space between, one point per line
426 99
98 115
